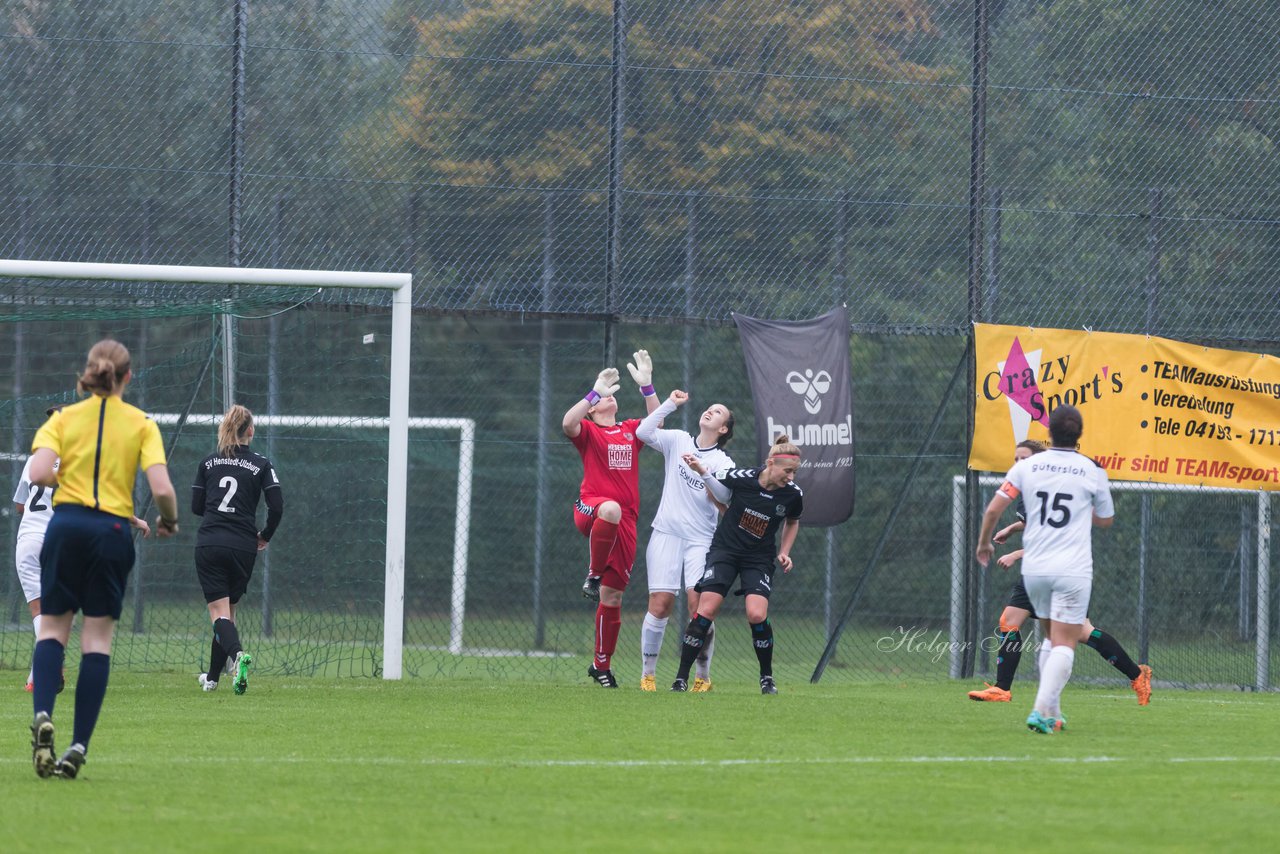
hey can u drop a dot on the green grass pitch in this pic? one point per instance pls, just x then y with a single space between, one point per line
301 764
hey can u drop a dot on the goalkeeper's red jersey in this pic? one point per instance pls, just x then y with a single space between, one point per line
610 464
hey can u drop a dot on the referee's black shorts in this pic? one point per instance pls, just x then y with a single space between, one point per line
224 572
85 562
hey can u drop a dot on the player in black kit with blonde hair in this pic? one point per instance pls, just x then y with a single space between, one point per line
226 491
744 548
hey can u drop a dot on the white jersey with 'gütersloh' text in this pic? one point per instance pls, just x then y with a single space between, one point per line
1061 490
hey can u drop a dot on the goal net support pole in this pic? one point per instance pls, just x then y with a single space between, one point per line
401 287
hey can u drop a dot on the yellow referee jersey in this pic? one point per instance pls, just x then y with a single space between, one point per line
102 442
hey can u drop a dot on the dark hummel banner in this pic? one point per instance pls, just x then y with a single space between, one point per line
800 380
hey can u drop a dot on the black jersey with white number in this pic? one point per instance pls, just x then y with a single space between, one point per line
750 524
226 492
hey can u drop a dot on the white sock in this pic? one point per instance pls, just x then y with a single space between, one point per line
702 667
1054 678
651 633
35 625
1042 659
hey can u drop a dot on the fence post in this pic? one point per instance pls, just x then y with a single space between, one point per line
278 212
686 349
977 216
617 127
239 46
1262 682
1151 289
544 419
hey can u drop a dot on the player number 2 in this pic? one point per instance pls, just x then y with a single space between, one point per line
1062 513
229 484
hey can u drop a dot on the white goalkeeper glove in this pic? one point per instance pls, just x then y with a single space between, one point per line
642 370
606 382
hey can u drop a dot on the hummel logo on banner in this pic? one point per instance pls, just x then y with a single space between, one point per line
810 386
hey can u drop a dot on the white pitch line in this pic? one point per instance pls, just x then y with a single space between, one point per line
657 763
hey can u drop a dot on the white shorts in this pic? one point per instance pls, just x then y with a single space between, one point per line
27 559
674 562
1061 598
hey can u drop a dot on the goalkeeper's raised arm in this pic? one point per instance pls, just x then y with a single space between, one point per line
601 395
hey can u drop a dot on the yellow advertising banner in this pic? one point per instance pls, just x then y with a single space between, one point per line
1154 409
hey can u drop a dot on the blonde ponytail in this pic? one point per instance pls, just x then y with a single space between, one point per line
234 429
104 369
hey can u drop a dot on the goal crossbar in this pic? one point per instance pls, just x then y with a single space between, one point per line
400 285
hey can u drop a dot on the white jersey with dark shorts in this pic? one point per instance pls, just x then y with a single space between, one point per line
1061 490
686 519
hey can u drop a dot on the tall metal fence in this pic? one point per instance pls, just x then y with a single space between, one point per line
570 180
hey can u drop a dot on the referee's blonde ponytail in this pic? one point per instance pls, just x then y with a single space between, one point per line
234 429
105 368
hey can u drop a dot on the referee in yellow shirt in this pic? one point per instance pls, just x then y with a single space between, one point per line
88 549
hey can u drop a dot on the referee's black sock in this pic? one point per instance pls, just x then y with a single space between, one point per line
1110 649
46 668
91 688
1007 658
762 639
695 638
224 632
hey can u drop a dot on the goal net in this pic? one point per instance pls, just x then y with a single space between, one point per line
322 358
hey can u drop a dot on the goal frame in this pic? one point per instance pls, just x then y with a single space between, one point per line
400 285
1262 625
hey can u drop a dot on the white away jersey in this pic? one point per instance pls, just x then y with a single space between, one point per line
1061 491
37 501
684 511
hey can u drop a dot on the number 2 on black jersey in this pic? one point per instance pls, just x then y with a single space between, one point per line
1060 508
229 484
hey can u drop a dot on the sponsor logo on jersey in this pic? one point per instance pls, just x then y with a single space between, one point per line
620 457
754 523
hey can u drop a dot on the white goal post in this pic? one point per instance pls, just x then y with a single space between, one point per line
1262 653
401 287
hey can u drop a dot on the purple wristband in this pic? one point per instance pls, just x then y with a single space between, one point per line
647 390
592 397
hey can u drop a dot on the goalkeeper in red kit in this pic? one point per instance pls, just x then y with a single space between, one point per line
609 499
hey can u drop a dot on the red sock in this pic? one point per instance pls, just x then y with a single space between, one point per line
603 536
608 624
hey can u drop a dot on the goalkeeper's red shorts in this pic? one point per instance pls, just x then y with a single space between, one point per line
617 573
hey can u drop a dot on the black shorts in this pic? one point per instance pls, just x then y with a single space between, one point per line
85 562
754 574
1018 597
224 573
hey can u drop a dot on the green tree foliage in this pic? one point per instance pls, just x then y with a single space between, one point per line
771 114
